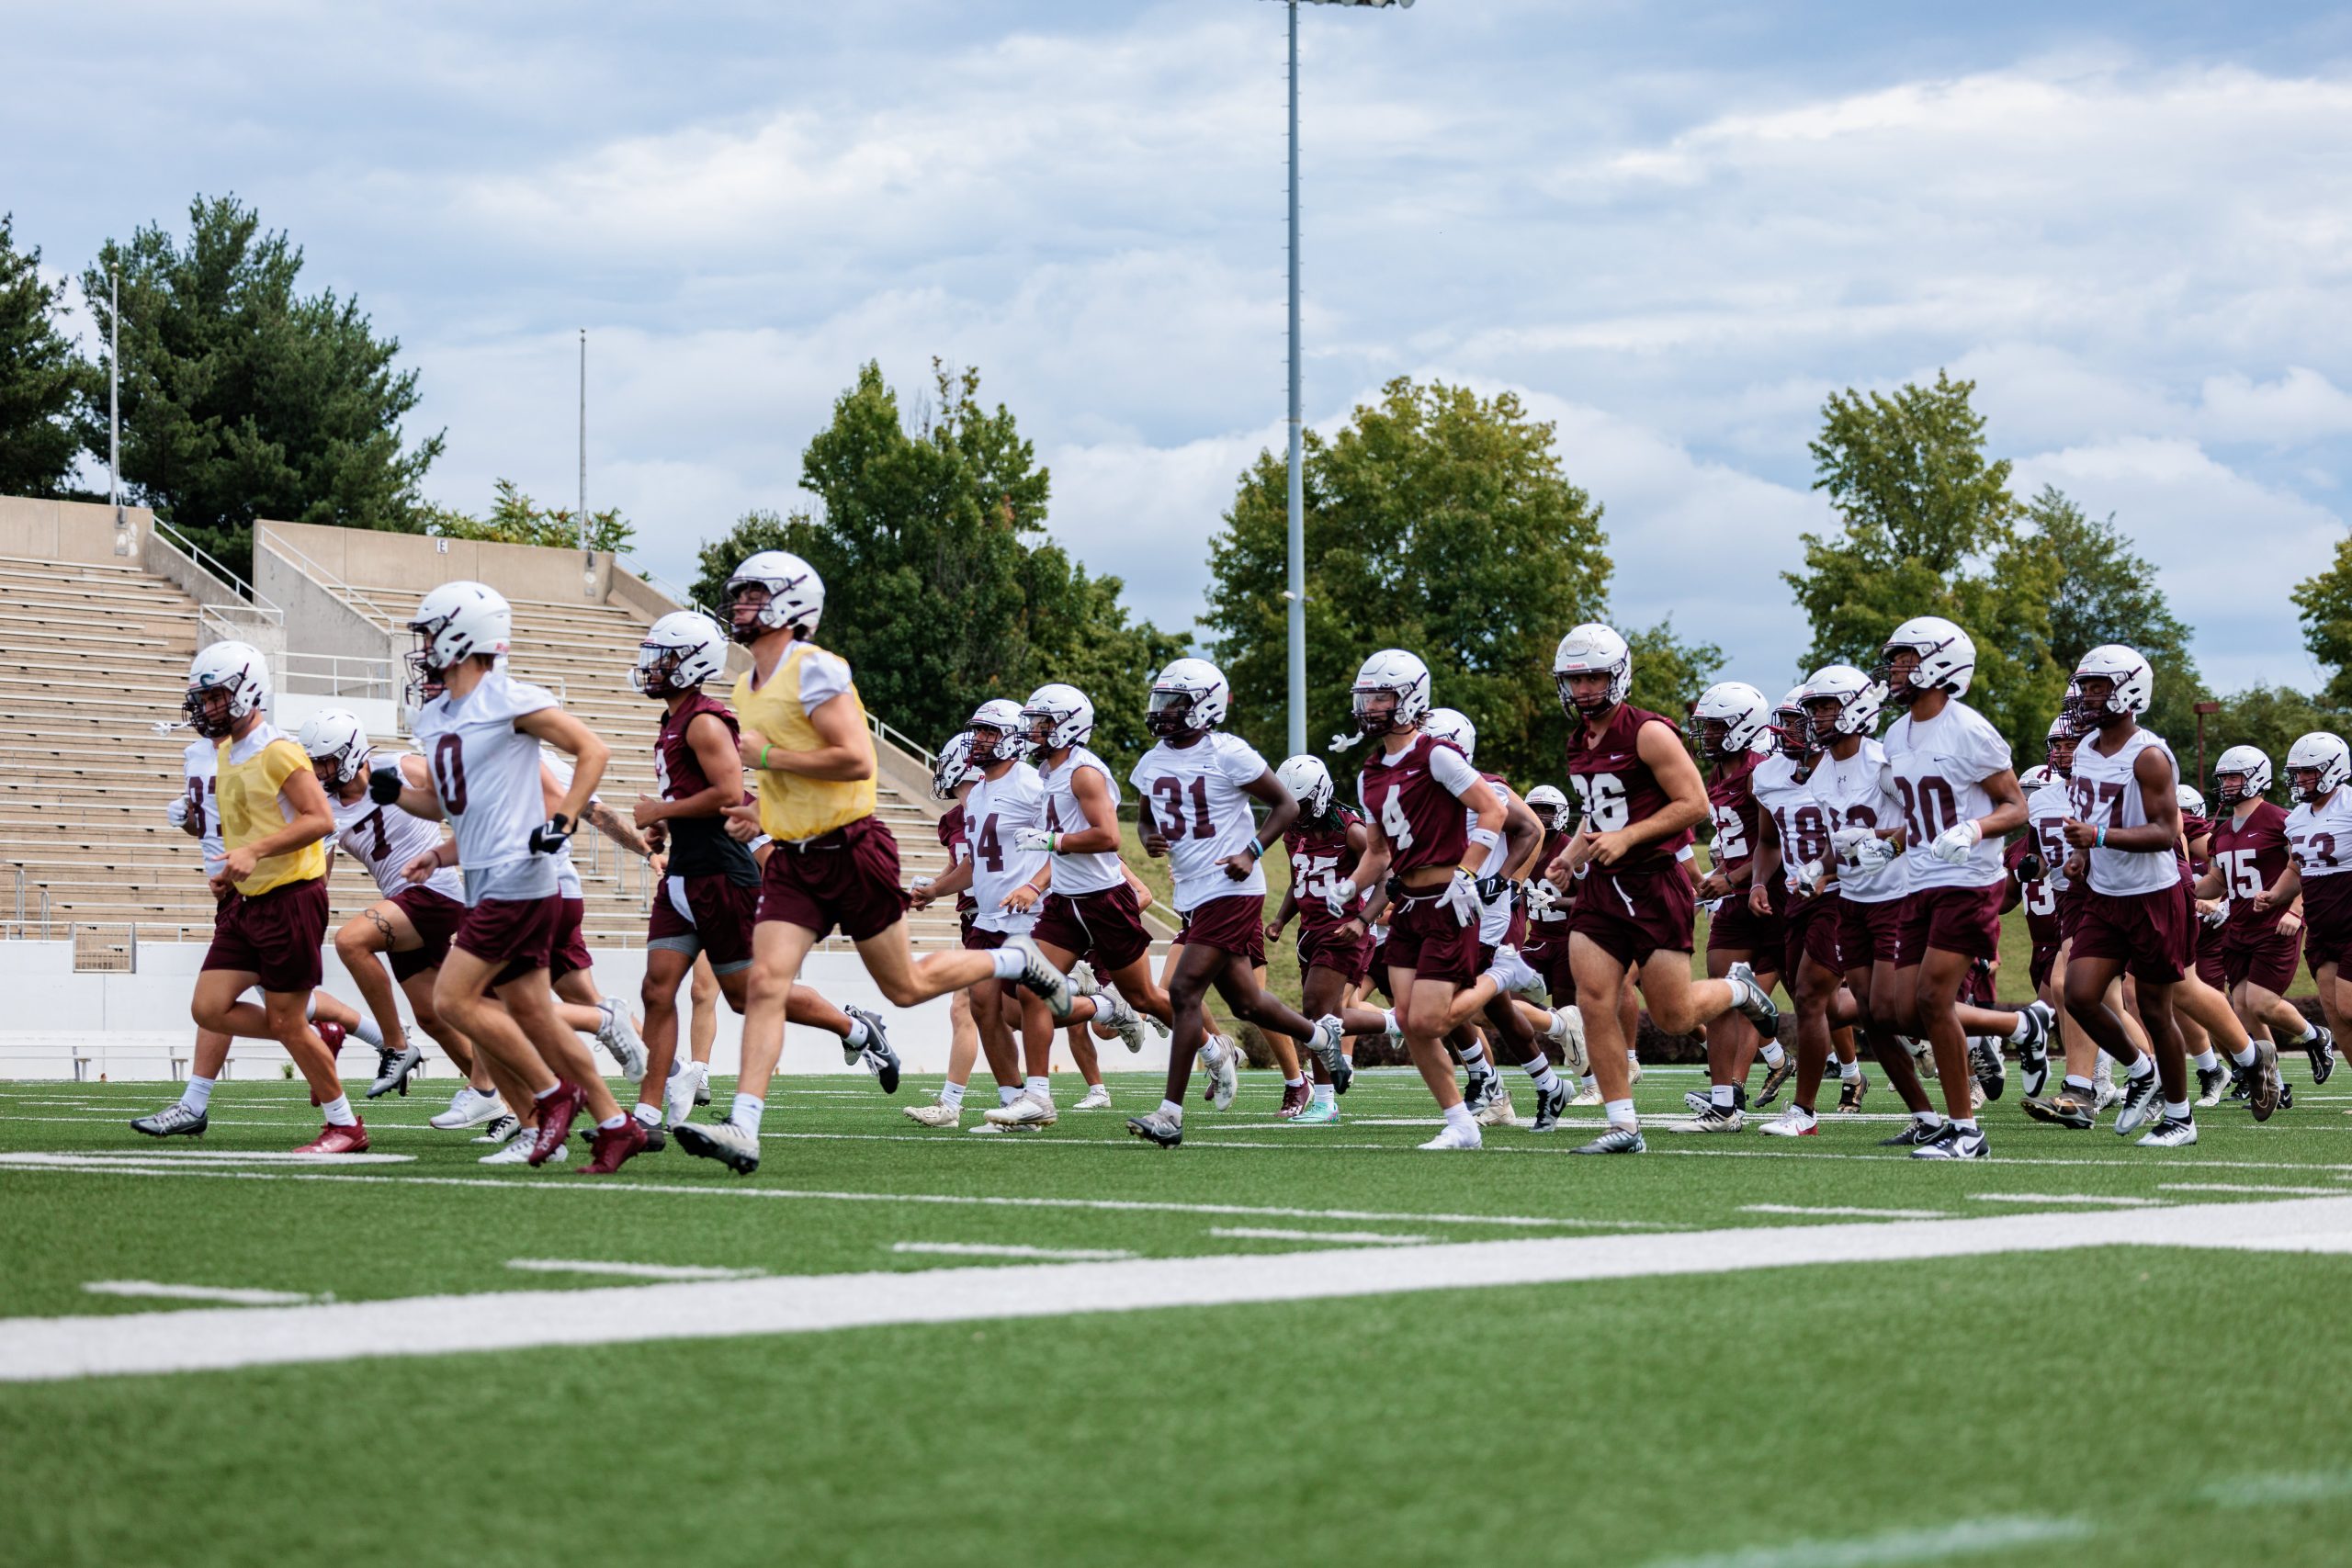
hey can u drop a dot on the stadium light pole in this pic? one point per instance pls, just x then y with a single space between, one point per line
587 556
1296 592
113 411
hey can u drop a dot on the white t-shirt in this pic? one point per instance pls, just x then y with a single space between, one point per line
384 838
486 774
1078 874
1859 791
200 768
2319 837
2106 794
995 810
1196 794
1941 766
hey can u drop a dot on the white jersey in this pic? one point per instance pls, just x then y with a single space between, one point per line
1797 816
2319 837
384 838
567 875
995 810
486 774
1941 766
2105 791
2047 811
200 770
1195 794
1860 792
1076 874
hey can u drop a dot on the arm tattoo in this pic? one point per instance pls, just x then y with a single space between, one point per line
614 827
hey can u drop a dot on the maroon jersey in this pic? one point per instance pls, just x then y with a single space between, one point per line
2040 899
1617 788
1731 802
953 838
2250 855
1542 925
1418 810
1320 859
699 845
2191 830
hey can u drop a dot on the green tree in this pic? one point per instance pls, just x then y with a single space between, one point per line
1437 521
516 519
42 381
2270 718
942 589
2107 592
1929 529
1668 673
243 400
2324 603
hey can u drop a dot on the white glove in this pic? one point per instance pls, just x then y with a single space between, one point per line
1461 896
1862 848
2215 915
1542 898
918 883
1953 844
1810 876
1342 899
176 813
1032 839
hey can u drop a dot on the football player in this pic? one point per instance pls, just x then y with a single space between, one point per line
1324 846
1792 847
2253 958
953 776
2319 828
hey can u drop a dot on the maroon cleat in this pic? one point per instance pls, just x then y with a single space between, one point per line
556 1112
334 1140
1295 1099
614 1146
332 1034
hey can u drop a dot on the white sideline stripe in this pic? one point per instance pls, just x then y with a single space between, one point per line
39 1349
1929 1543
993 1249
630 1270
2107 1200
169 1156
1253 1233
196 1292
2263 1491
1852 1212
2245 1187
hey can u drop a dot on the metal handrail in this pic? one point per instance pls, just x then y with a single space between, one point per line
683 598
373 677
883 731
329 581
211 563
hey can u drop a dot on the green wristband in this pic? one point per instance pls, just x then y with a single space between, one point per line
765 746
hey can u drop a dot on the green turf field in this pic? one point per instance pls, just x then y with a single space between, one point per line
2085 1405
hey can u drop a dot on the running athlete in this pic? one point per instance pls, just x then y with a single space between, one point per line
2319 845
953 776
834 863
1635 913
2255 957
1334 951
1729 728
1792 848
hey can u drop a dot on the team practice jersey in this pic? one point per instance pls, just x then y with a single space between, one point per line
1416 796
953 838
1555 840
995 810
1737 818
1197 796
792 805
2320 836
486 774
1859 791
2106 794
1087 872
200 801
1940 765
699 845
1617 788
384 838
1320 858
1796 816
2047 811
2250 851
251 791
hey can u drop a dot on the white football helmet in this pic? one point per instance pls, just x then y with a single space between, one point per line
1003 715
2059 751
1739 708
1549 806
2132 683
1592 649
2248 763
1792 727
2033 778
336 736
952 768
2323 756
2192 801
453 622
1058 715
1391 671
1305 777
679 651
1947 659
790 594
1453 724
239 671
1860 700
1189 694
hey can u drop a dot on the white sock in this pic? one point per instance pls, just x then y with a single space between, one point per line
2141 1066
1796 1109
197 1094
1720 1096
615 1120
2020 1028
2176 1110
2206 1061
1324 1094
1927 1118
1293 1083
2244 1058
1773 1055
2081 1086
648 1112
2309 1029
1008 963
1620 1112
1474 1058
1458 1117
1591 1082
1006 1093
338 1111
1540 1070
951 1095
1965 1123
1172 1111
1039 1089
1633 1057
858 1033
367 1033
747 1111
1849 1071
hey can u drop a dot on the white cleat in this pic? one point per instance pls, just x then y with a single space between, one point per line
501 1127
1566 1034
1225 1083
1511 973
1452 1137
1112 1012
1496 1109
1026 1111
1588 1097
517 1151
1097 1098
1329 1046
470 1107
618 1034
935 1115
678 1094
1038 975
1083 982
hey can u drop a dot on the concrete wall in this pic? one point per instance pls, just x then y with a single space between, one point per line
411 563
317 619
69 530
244 620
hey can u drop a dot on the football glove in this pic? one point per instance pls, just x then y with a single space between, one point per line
1461 897
1542 898
550 836
2032 869
1342 899
384 784
1953 845
176 811
1032 839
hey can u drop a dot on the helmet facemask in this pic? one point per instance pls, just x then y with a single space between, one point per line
1169 712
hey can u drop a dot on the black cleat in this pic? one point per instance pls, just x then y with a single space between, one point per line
1914 1134
1549 1103
174 1121
1851 1092
2320 1049
1777 1078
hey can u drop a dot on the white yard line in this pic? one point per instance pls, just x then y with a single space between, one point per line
1929 1543
1337 1239
1841 1209
2104 1200
51 1349
991 1249
2245 1187
167 1154
627 1270
196 1292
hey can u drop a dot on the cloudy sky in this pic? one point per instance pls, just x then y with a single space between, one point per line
1673 227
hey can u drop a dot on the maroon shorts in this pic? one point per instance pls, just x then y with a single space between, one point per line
436 917
1813 927
1105 927
570 954
2044 960
1976 985
273 936
1547 954
978 940
1327 949
717 920
2070 910
2327 923
1632 916
848 878
1965 920
2213 964
2264 956
1870 933
1737 928
517 933
1425 937
1234 924
2152 935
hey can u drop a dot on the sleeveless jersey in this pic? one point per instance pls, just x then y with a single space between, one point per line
792 805
1859 791
1416 797
2047 811
994 811
2250 853
2319 837
1940 765
1732 804
1797 816
1092 872
486 774
2193 828
699 845
251 793
201 772
954 840
2106 794
384 838
2040 899
1320 861
1554 842
1616 788
1195 795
